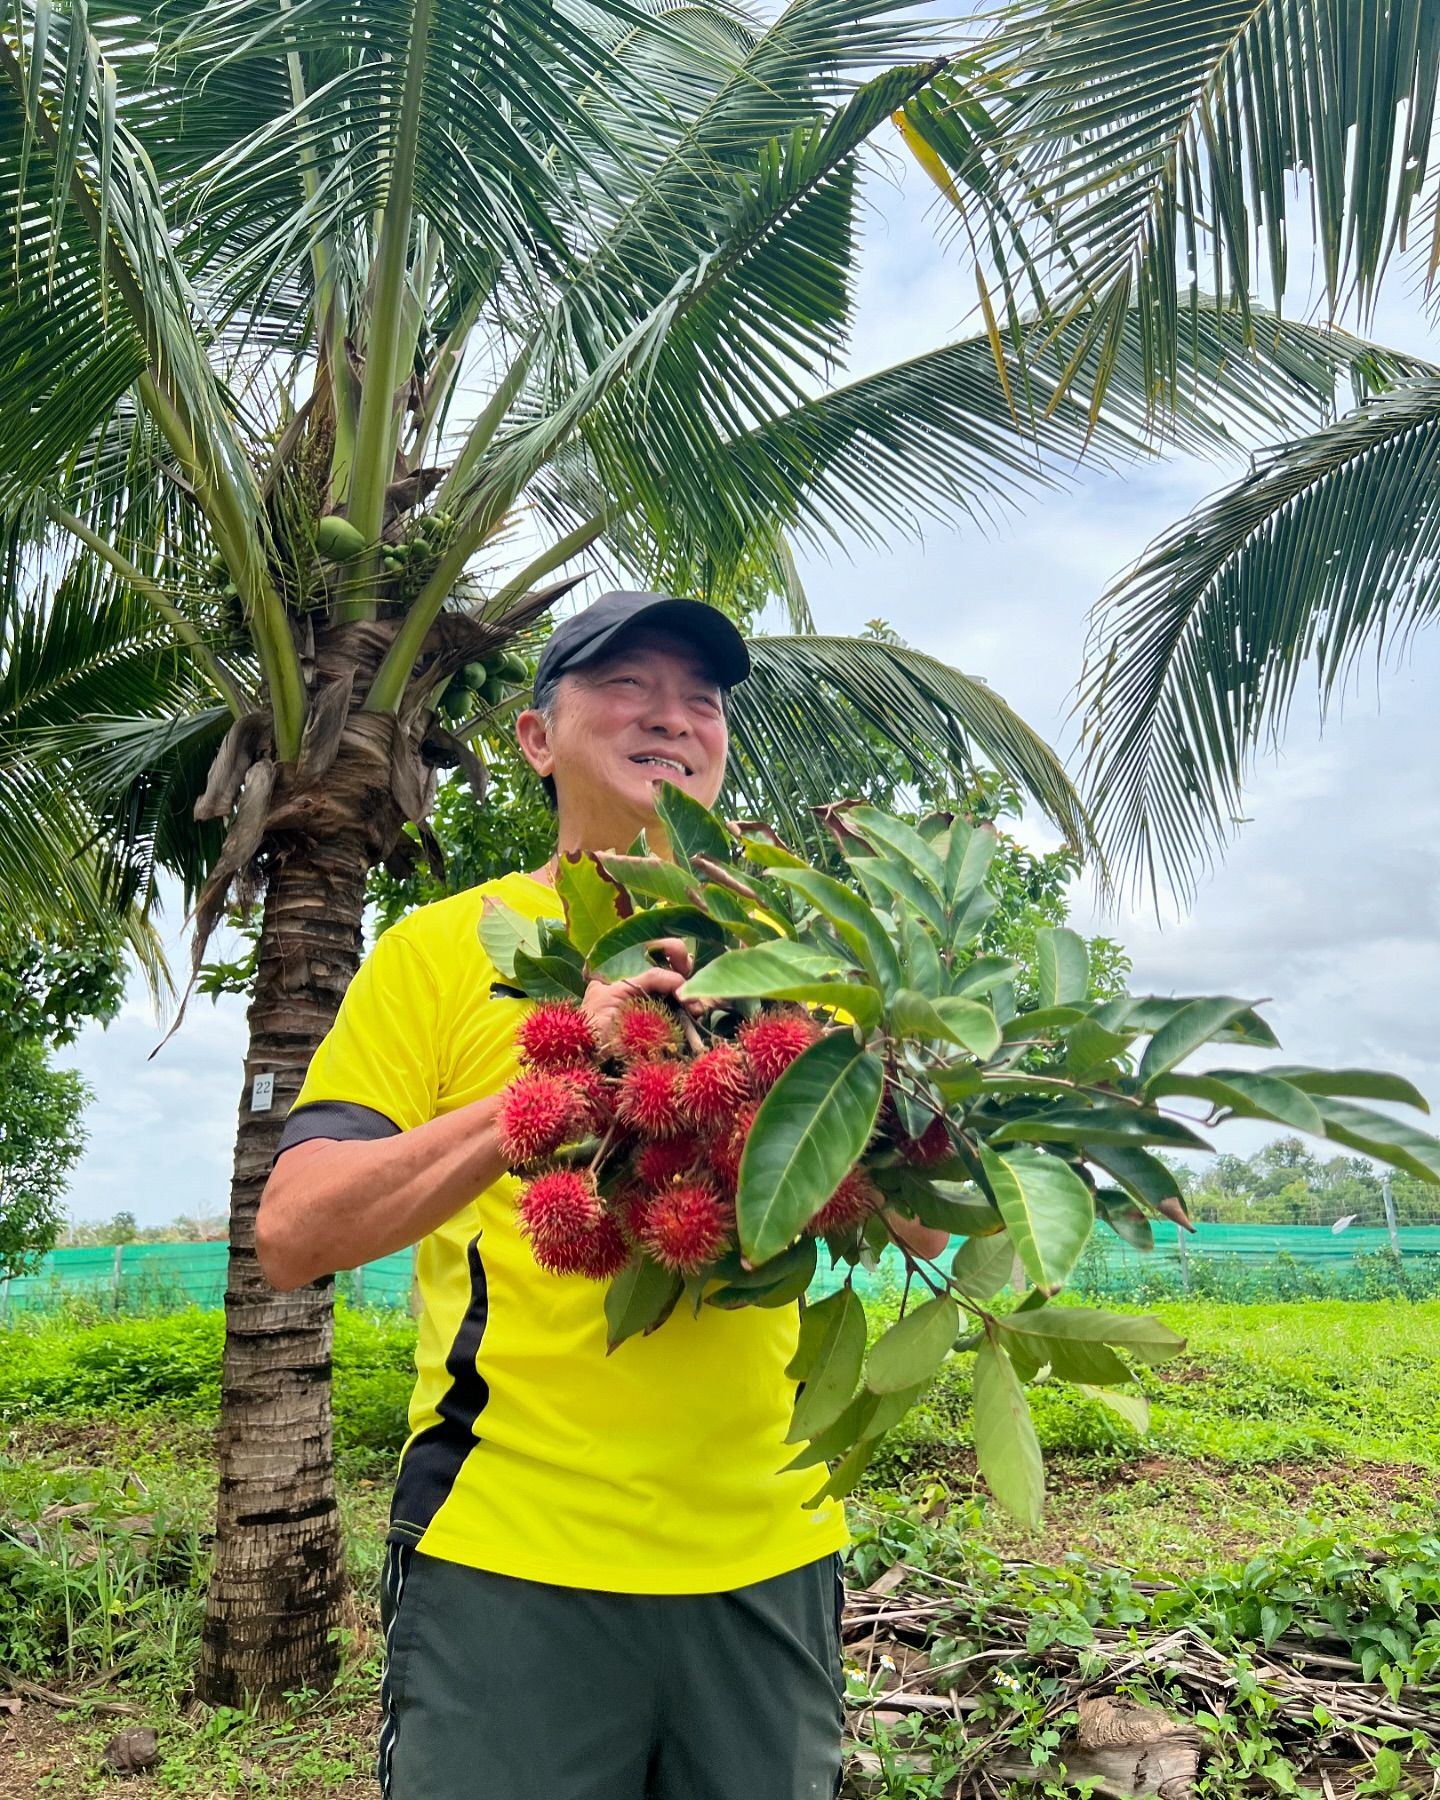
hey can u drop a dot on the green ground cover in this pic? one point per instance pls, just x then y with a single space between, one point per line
1278 1425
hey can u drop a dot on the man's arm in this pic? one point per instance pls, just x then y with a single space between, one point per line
334 1205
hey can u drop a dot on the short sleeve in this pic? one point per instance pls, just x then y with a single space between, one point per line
379 1064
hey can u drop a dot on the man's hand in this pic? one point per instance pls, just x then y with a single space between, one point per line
604 1000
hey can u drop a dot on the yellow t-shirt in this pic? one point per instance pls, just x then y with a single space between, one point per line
655 1470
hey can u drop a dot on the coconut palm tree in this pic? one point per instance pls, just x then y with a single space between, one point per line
1172 158
338 342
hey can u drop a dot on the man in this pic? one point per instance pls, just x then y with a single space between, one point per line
598 1584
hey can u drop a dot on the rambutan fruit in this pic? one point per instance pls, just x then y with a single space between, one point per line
773 1041
592 1094
661 1161
649 1099
631 1211
559 1213
606 1250
723 1152
714 1085
932 1145
687 1225
555 1035
643 1029
537 1113
851 1204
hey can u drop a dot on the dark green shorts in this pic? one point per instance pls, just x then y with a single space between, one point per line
502 1689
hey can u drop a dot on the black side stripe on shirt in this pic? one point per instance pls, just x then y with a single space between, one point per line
342 1120
431 1464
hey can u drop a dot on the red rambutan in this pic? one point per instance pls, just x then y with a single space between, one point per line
774 1040
649 1099
714 1085
559 1213
631 1211
555 1035
662 1161
724 1151
851 1204
931 1146
644 1028
537 1114
591 1093
686 1226
607 1250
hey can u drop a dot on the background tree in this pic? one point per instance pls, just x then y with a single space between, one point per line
331 337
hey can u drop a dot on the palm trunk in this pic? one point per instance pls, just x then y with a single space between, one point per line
278 1587
279 1580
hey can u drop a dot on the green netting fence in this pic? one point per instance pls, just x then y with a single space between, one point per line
1222 1262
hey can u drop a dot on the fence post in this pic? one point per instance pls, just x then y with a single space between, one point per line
118 1259
1390 1220
359 1287
4 1299
1184 1258
416 1304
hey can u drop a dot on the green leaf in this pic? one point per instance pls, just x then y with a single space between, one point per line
1194 1024
920 958
1047 1210
1350 1084
503 931
914 1347
652 877
768 853
855 923
807 1135
1145 1338
982 975
963 1022
758 971
1140 1173
1248 1095
951 1206
969 918
833 1338
1068 1359
1005 1443
1133 1408
590 897
1377 1134
692 829
886 882
1090 1046
1042 1022
902 841
846 1476
790 1275
1113 1124
867 1416
1125 1218
968 856
1062 965
621 951
983 1265
548 977
641 1297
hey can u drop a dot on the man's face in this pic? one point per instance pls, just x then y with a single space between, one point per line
649 712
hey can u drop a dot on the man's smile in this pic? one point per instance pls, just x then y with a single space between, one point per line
653 759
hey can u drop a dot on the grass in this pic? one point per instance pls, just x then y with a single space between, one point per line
1279 1422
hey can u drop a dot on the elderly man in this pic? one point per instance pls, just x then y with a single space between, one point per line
598 1585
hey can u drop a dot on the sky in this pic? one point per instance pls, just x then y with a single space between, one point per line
1327 905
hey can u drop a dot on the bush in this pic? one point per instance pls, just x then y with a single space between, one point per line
174 1361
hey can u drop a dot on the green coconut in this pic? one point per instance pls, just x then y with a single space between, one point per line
337 539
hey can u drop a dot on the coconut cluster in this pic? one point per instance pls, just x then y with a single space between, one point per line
673 1128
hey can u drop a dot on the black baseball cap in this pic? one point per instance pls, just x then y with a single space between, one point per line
589 634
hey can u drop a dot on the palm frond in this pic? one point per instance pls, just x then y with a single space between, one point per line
820 717
1144 156
1331 546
